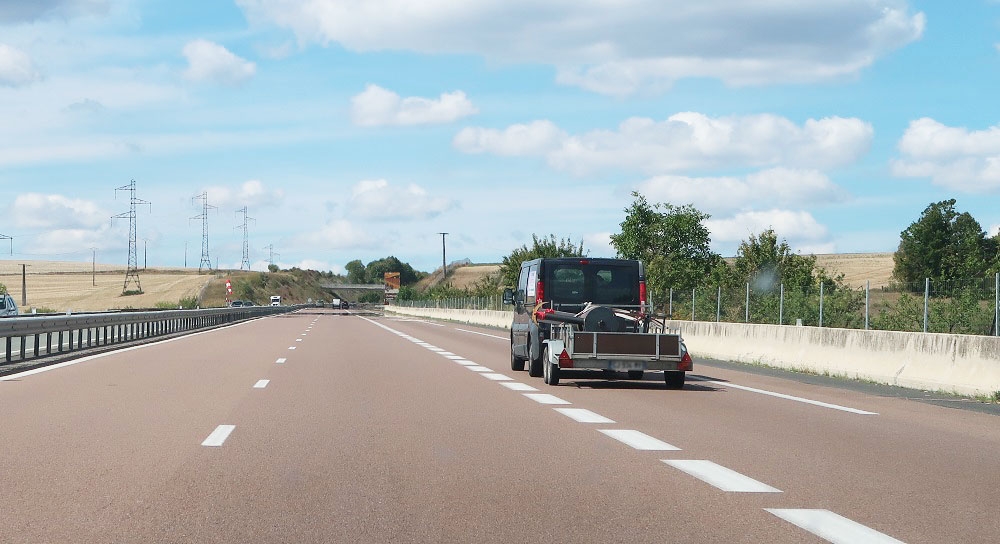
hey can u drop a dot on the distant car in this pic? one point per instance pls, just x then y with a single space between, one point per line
344 305
236 304
247 303
7 306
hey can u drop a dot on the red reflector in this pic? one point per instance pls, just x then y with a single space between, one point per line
686 362
564 360
584 261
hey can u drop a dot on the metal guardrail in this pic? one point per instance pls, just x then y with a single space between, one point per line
31 337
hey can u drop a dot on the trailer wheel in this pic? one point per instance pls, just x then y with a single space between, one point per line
534 365
674 379
516 363
635 374
550 370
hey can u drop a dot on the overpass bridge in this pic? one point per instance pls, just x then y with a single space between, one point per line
351 292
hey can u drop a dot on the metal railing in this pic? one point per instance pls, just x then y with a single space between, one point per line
32 337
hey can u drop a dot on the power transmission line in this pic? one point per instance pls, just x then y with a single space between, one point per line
246 238
11 238
205 260
132 274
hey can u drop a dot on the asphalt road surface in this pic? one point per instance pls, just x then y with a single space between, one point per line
324 426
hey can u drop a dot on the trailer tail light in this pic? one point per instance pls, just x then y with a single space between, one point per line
539 291
642 297
564 360
686 362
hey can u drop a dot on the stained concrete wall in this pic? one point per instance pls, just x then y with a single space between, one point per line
964 364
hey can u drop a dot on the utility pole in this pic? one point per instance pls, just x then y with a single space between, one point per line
245 264
145 252
132 275
11 238
205 260
93 267
24 286
444 265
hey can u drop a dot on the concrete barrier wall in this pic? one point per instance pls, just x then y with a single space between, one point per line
969 365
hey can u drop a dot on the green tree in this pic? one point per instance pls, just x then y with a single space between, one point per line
943 245
672 241
375 271
372 297
542 247
272 268
355 271
766 263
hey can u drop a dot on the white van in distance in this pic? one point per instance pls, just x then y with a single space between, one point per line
275 300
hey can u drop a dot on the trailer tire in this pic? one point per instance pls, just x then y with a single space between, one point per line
516 363
674 379
534 365
635 374
550 370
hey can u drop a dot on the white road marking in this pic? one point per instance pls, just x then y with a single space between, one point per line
447 354
292 347
583 415
639 440
466 362
298 339
518 386
429 323
439 350
482 334
219 435
545 398
832 527
454 357
790 397
261 384
281 361
479 368
496 377
720 476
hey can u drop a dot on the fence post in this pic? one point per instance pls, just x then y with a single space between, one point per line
692 303
781 305
927 293
868 285
670 306
718 304
821 303
746 309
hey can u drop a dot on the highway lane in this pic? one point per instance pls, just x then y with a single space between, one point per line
362 434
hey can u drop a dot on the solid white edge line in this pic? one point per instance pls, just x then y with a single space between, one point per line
545 398
719 476
638 440
582 415
219 436
261 384
791 397
518 386
483 334
832 527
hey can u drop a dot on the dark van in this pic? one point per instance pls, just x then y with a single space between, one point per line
567 284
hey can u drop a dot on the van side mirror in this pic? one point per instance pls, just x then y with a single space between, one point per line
508 296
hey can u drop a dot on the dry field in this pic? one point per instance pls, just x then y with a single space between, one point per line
68 286
859 267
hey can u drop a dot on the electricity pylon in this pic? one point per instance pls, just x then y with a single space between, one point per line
132 274
205 260
245 264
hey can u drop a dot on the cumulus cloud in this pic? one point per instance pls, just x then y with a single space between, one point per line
773 187
376 107
251 193
952 157
598 244
17 11
209 61
619 48
376 199
16 67
683 141
336 234
800 228
41 211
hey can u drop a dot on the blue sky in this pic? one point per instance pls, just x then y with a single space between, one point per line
359 129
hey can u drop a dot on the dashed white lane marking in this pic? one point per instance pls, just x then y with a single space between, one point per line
832 527
496 377
429 323
479 368
583 415
790 397
291 347
639 440
261 384
447 354
482 334
518 386
438 350
720 476
454 357
545 398
466 362
219 435
281 361
298 339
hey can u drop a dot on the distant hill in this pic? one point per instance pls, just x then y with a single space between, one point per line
460 275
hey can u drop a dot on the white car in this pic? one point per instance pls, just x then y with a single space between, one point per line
7 306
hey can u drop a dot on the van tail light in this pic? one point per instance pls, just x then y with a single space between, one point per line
642 297
686 362
564 360
539 291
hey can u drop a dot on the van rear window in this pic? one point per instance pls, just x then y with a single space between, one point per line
576 284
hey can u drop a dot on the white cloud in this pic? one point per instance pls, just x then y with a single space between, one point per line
67 241
376 199
768 188
336 234
23 11
800 228
598 244
208 61
16 67
953 157
40 211
994 230
251 193
683 141
619 47
376 106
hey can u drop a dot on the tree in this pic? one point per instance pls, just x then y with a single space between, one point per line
765 263
272 268
672 241
943 245
375 271
355 271
549 247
